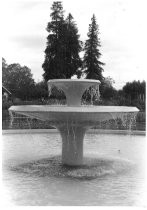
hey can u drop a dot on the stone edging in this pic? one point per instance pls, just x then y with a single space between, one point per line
96 131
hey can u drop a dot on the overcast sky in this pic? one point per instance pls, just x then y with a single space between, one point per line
122 25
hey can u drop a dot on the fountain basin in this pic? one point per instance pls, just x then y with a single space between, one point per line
74 89
72 123
80 114
33 173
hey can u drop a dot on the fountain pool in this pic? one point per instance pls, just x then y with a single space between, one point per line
110 173
113 176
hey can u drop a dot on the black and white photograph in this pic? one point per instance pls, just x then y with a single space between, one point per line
74 103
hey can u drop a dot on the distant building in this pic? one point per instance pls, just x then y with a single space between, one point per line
6 93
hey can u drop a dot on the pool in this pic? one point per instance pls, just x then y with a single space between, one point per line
113 174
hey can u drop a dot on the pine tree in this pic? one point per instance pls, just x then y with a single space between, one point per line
73 48
52 65
63 46
92 65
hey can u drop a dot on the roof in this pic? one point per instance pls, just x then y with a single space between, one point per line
5 89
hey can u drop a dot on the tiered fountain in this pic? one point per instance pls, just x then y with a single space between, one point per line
73 119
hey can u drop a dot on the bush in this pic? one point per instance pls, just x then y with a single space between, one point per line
6 104
141 117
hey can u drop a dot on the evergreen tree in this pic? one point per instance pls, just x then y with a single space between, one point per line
73 47
91 62
61 55
52 65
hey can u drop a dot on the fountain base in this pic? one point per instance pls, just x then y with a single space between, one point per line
72 144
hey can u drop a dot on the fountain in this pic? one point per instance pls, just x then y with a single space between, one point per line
73 120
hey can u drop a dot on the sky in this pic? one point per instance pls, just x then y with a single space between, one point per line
122 28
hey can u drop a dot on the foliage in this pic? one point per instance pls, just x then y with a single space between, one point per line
73 47
91 62
4 64
134 94
41 90
63 46
53 64
107 90
18 80
6 104
134 90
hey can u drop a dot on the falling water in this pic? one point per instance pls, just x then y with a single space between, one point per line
18 120
127 120
55 91
11 119
94 94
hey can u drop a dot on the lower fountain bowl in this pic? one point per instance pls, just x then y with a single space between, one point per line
72 123
78 114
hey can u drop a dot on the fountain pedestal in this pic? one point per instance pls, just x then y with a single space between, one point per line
72 144
72 135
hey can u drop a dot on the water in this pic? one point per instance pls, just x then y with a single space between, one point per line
113 173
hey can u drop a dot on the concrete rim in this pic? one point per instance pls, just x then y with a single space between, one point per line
95 131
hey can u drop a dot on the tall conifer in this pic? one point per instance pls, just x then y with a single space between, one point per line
52 64
92 64
73 48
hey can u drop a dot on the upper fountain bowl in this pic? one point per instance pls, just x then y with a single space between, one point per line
73 88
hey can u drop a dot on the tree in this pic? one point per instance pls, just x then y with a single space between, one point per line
73 47
133 94
135 90
4 64
91 62
52 66
107 91
62 58
41 90
18 80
